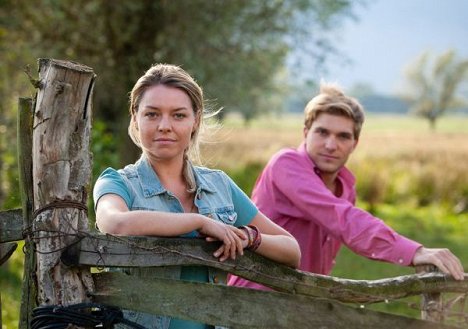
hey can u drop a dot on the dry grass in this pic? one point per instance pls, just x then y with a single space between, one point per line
234 144
398 157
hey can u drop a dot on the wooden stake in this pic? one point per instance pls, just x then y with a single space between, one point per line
24 137
432 306
61 174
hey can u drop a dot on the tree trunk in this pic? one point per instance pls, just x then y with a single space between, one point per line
61 174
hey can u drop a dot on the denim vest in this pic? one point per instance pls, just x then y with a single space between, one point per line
213 199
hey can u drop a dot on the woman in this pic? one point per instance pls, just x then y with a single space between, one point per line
163 194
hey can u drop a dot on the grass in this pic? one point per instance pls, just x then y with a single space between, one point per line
413 178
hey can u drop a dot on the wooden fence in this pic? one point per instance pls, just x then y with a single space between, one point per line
63 257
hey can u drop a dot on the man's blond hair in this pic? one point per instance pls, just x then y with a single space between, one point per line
332 100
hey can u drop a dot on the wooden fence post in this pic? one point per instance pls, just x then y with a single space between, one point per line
432 306
61 174
24 138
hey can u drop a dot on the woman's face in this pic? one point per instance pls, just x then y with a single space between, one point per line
165 121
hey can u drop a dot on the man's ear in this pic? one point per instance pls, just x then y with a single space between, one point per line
306 130
356 142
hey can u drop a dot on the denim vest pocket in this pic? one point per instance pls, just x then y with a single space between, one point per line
226 215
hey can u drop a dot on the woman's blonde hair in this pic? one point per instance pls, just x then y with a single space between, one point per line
175 77
332 100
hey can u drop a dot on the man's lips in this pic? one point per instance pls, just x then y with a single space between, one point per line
329 157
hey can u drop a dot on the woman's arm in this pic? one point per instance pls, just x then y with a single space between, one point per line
114 217
277 243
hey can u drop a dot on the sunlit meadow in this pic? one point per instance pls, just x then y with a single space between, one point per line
413 178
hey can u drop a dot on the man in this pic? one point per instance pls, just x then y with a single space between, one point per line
310 193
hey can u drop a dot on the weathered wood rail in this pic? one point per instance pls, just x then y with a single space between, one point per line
58 242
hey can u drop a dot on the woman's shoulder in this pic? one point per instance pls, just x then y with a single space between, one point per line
206 171
211 179
110 172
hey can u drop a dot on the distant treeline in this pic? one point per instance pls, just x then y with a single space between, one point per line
374 103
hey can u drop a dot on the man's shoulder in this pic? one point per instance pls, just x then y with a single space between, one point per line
286 155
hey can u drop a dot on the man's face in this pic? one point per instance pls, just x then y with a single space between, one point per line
329 142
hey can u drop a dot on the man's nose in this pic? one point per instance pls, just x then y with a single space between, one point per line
330 143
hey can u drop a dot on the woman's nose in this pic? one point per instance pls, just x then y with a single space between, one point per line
164 124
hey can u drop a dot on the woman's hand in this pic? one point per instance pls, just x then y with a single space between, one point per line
234 240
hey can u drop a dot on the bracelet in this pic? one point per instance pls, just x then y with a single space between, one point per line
249 236
256 240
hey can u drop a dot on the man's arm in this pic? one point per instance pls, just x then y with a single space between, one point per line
360 231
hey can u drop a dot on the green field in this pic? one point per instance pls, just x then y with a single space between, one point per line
409 176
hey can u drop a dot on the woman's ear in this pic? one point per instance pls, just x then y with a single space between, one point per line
196 125
135 123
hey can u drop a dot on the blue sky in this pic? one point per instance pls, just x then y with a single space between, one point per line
390 34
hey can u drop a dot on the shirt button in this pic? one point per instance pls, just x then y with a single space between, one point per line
199 196
328 238
400 261
373 255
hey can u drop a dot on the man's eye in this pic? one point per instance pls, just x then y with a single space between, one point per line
322 132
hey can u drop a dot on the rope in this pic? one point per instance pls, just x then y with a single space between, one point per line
60 204
87 315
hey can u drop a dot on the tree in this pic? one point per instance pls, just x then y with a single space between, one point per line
235 49
433 86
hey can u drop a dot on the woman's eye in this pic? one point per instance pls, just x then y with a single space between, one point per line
150 114
179 115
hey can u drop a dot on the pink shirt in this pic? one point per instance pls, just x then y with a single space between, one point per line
291 193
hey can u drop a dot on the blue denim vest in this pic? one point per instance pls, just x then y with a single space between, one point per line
213 199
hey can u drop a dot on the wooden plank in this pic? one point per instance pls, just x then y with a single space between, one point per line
239 307
61 176
24 138
101 250
11 225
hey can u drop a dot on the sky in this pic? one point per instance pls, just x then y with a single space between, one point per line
390 34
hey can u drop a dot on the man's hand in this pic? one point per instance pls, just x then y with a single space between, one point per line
445 261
